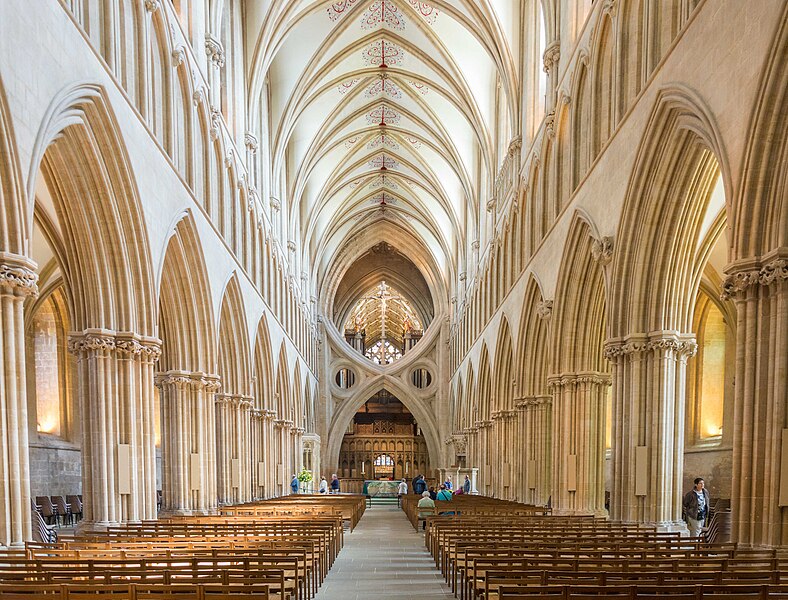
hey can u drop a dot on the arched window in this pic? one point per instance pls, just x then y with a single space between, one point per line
707 372
384 460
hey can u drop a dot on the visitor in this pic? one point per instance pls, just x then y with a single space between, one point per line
413 484
323 489
433 493
444 495
696 507
334 484
447 483
466 486
402 490
426 503
420 486
294 484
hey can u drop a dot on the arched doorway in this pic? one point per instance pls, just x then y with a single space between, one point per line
383 441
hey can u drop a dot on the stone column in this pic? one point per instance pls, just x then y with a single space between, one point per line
535 417
269 452
17 282
649 400
188 447
551 60
257 452
233 421
115 374
759 288
578 443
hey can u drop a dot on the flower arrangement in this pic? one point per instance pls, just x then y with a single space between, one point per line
305 476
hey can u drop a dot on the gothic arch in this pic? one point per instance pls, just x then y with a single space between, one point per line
14 229
185 311
504 369
420 409
263 367
656 272
533 341
85 166
760 211
234 341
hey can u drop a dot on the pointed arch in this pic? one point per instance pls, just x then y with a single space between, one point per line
263 367
677 166
85 166
504 383
234 341
185 308
14 226
533 343
579 313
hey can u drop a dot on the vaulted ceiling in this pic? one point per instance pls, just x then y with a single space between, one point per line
384 112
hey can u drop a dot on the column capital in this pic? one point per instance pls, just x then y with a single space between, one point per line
123 343
683 344
551 56
764 271
580 378
18 275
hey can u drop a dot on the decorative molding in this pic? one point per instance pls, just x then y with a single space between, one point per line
275 205
198 96
216 123
152 5
551 56
178 56
682 346
575 379
772 272
602 250
251 142
544 309
125 344
214 50
18 276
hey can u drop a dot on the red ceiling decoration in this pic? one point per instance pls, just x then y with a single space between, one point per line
383 180
337 9
383 54
429 13
383 163
383 85
345 86
419 87
383 115
383 13
383 140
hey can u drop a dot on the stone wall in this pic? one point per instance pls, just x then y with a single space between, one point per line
55 468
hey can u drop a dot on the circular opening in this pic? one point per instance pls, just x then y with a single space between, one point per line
421 378
345 378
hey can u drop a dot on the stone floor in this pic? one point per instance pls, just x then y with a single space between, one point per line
383 558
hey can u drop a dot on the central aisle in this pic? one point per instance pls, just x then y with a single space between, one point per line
385 558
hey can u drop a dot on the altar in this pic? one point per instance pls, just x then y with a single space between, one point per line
373 487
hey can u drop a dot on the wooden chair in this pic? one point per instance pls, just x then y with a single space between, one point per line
48 510
75 506
63 509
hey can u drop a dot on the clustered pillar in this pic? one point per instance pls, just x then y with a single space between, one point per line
233 435
18 281
759 288
534 422
578 454
188 441
649 397
115 372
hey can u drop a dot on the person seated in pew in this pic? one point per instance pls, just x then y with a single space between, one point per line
433 493
426 502
444 495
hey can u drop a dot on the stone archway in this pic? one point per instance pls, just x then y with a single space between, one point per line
344 414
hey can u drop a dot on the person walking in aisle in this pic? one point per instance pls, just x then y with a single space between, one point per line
696 507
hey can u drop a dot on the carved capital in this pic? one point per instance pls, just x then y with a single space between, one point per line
198 96
551 56
739 282
214 50
275 204
18 276
549 124
602 250
544 309
131 345
152 5
92 341
178 56
251 142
